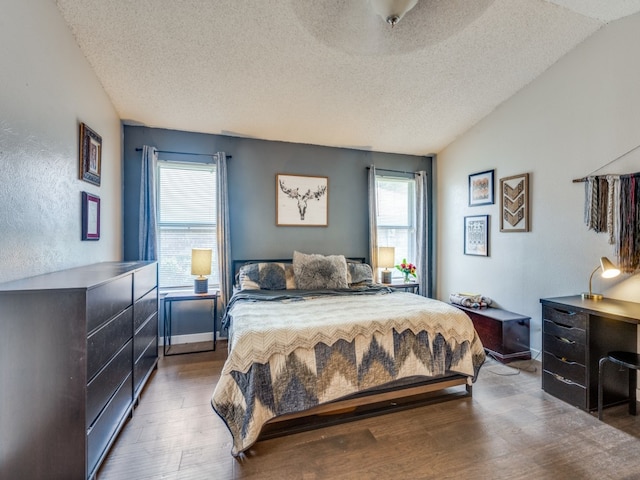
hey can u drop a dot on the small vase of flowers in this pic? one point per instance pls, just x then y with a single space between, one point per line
408 270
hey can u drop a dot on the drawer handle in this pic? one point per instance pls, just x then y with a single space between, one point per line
565 312
564 380
566 361
566 340
563 325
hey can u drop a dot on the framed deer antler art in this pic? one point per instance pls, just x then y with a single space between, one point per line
514 203
302 201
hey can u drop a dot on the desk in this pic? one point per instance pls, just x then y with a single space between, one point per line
576 333
169 300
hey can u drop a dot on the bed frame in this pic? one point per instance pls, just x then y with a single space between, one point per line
397 396
369 404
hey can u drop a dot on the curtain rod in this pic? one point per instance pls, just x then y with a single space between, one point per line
394 171
184 153
584 179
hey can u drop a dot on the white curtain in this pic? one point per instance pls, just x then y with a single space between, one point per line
422 232
147 227
223 231
373 223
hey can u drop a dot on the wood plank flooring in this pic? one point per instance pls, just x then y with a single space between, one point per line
509 429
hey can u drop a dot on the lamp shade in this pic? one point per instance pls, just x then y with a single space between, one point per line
609 270
201 261
386 257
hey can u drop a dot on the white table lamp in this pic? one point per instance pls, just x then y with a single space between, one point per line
386 259
201 266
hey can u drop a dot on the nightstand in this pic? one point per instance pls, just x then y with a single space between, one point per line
411 287
169 300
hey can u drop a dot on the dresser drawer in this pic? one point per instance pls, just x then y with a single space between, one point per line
144 280
145 307
565 316
108 423
105 342
570 350
102 387
564 389
148 332
105 301
144 364
574 371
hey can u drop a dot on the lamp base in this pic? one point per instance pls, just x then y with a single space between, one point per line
201 285
592 296
386 276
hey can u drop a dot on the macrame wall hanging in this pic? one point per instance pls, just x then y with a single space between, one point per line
612 206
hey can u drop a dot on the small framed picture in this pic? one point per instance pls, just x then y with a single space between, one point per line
302 201
90 153
514 203
476 235
90 216
481 188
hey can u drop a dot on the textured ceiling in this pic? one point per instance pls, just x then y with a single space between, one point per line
326 72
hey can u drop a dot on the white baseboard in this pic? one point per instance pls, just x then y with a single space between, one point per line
191 338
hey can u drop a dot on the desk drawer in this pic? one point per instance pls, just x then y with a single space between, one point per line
564 389
571 334
105 342
565 316
570 350
574 371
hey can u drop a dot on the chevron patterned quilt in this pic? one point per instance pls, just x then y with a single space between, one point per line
288 353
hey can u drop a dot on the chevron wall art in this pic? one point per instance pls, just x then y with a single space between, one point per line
514 203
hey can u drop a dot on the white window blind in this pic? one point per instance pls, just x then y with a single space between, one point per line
396 217
186 220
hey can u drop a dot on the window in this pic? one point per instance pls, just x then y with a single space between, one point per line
396 216
186 220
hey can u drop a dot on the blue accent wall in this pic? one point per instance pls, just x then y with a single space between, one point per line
252 190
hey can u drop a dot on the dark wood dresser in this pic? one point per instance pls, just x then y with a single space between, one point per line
76 348
576 333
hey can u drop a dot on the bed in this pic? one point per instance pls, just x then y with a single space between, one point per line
315 335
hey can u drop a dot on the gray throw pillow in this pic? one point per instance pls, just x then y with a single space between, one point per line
359 274
266 276
317 272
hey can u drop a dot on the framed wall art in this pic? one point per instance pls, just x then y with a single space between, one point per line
302 200
476 235
514 203
481 189
90 216
90 153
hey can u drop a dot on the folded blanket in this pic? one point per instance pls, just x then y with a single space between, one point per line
470 300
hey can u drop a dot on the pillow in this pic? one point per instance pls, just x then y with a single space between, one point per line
266 276
359 274
316 272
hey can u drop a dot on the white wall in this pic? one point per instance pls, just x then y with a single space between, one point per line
576 117
46 88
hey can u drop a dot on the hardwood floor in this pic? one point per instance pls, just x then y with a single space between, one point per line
510 429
